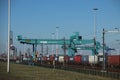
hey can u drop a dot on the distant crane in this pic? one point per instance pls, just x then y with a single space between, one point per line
71 44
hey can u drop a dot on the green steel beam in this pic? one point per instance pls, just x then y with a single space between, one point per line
53 41
44 41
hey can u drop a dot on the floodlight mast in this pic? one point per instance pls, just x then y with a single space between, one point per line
8 56
95 9
104 31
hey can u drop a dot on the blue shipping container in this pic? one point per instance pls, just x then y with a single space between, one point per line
85 59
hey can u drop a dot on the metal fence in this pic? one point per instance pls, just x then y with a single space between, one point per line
115 75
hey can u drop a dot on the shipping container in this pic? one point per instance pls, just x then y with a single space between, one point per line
78 59
56 58
85 59
66 58
100 60
44 58
114 60
71 60
61 59
48 59
51 58
39 58
93 59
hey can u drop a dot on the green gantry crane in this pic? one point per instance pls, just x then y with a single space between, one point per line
71 44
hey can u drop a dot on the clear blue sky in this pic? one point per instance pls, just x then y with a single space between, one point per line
39 18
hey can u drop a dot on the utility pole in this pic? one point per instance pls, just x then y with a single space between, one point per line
104 49
41 52
47 50
64 48
9 27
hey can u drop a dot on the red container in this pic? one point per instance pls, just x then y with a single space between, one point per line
44 58
78 59
66 58
114 60
51 57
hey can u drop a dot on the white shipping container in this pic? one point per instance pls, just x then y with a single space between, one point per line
92 58
61 58
38 58
101 59
25 58
100 54
56 58
71 58
48 58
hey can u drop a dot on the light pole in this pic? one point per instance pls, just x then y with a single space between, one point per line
9 28
53 45
95 9
103 49
108 31
57 38
53 34
95 25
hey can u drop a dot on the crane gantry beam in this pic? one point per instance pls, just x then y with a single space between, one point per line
71 43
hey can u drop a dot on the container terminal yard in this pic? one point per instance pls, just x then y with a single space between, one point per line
69 60
84 44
